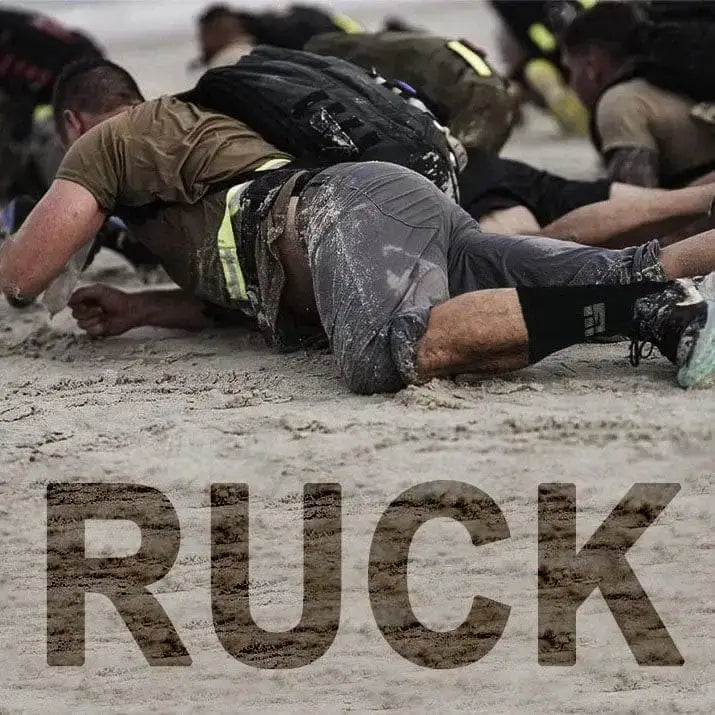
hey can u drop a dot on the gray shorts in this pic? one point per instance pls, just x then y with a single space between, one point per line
385 246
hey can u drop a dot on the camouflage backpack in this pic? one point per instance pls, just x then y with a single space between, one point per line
452 78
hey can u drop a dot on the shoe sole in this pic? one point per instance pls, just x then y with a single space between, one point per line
699 371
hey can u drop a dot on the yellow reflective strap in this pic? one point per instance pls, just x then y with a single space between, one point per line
226 239
42 112
542 38
233 205
347 24
232 273
475 61
587 4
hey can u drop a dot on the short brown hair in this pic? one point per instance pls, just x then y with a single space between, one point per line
93 85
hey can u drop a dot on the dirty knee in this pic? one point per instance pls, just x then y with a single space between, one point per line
406 332
388 362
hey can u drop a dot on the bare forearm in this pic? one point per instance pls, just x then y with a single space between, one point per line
707 179
170 309
632 219
102 311
63 221
178 309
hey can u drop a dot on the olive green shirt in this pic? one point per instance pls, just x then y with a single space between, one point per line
172 152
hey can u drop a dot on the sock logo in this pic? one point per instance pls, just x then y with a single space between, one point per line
594 319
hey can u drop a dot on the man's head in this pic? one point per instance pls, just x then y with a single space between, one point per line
89 91
598 45
219 26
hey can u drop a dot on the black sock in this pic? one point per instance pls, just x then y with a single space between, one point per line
559 317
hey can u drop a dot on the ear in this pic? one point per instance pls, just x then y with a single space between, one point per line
73 125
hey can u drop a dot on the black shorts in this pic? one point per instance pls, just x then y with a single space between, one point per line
490 183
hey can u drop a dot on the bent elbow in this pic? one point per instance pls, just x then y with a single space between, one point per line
16 293
14 283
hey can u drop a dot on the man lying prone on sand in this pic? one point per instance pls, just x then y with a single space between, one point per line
513 198
402 281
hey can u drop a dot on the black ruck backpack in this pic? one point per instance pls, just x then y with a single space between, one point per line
324 111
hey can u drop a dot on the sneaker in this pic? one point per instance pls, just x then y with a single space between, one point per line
680 322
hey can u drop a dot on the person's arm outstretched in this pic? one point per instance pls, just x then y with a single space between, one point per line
103 311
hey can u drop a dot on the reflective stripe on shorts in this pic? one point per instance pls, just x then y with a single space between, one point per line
226 239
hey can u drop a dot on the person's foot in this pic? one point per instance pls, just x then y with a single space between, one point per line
680 322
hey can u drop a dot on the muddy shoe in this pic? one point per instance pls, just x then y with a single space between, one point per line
680 322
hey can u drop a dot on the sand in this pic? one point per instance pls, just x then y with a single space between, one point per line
179 412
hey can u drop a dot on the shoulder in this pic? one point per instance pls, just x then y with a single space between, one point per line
625 118
625 96
625 114
116 126
108 136
139 114
164 118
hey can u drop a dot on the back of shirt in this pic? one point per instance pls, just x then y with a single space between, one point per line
174 153
637 115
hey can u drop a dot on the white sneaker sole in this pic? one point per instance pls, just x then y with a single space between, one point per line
699 371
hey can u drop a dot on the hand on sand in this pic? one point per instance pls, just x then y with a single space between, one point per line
102 311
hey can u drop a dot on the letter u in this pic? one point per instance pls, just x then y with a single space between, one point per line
320 619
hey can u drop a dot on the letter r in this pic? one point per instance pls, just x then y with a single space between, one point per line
70 574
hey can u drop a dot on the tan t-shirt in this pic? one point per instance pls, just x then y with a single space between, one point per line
169 151
636 114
